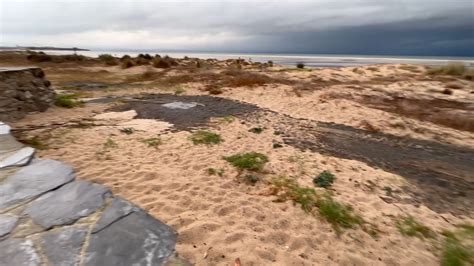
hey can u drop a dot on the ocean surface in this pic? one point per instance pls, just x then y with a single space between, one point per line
311 60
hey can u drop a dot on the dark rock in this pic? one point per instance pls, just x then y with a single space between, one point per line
7 223
63 247
116 210
18 252
136 239
33 180
67 204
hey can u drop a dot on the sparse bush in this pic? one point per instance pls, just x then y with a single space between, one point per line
108 59
68 101
125 57
252 161
152 142
127 63
213 171
458 247
300 65
324 179
161 63
453 69
205 137
337 214
408 226
270 63
39 57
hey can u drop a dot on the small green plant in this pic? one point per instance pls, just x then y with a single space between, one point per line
205 137
109 144
68 101
256 130
388 191
127 130
152 142
338 215
229 118
214 171
453 69
252 161
36 143
408 226
458 247
324 179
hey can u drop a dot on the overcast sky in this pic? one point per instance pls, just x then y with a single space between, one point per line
399 27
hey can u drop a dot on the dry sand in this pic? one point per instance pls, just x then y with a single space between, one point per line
221 218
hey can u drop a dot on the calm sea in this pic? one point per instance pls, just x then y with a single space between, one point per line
312 60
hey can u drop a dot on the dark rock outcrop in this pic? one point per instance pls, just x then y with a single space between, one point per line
23 90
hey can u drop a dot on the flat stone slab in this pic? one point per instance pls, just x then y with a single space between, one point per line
4 128
8 144
7 223
117 209
33 180
18 252
135 239
20 157
67 204
181 105
63 247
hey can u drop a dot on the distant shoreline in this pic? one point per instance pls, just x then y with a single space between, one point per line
43 48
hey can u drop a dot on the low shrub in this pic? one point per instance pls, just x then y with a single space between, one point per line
205 137
300 65
453 69
408 226
152 142
127 63
324 179
68 101
458 247
252 161
256 130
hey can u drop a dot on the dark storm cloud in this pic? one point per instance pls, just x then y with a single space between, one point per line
418 27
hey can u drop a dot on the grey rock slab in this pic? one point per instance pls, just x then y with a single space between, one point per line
7 223
67 204
63 247
4 128
20 157
117 209
136 239
181 105
18 252
33 180
8 144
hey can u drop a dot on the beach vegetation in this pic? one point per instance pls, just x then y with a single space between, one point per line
127 63
340 216
108 59
251 178
214 171
300 65
452 69
252 161
270 63
35 142
324 179
277 145
458 246
153 142
68 100
205 137
228 118
109 144
408 226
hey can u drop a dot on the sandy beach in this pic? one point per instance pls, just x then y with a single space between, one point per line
400 143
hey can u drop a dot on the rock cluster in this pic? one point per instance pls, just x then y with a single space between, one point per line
47 217
23 90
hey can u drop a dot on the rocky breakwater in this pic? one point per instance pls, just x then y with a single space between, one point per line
23 90
47 217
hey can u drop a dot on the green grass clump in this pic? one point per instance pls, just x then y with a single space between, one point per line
214 171
152 142
252 161
408 226
458 247
205 137
36 143
454 69
324 179
110 144
68 100
340 216
229 118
